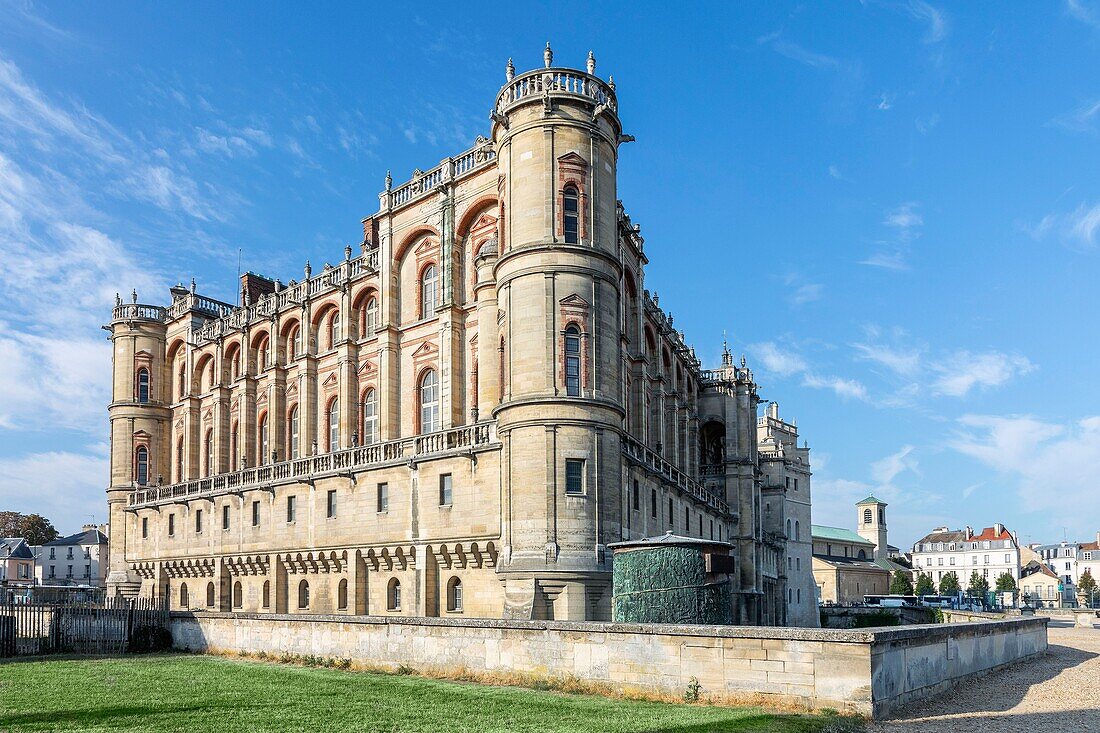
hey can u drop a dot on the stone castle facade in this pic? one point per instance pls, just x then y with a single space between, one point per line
456 418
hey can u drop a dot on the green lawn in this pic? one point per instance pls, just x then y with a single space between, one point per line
197 693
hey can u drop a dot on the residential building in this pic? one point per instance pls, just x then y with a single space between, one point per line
457 417
1042 587
990 553
16 562
79 559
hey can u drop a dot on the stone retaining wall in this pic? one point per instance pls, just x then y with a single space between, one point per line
867 671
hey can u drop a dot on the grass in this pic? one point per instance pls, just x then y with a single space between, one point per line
206 693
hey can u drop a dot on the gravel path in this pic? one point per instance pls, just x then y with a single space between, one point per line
1056 691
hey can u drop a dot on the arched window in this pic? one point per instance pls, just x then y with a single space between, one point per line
789 535
208 453
862 555
267 594
181 378
292 431
142 461
235 365
796 537
293 344
143 385
334 330
210 380
573 361
303 595
184 600
334 425
179 460
233 452
370 323
342 595
570 214
263 439
454 595
261 355
429 402
867 516
393 595
238 595
427 291
210 595
370 417
500 371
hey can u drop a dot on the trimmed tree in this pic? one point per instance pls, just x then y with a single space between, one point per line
949 584
925 586
978 585
900 585
1005 581
1086 585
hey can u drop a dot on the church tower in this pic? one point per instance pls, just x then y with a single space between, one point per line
871 521
556 132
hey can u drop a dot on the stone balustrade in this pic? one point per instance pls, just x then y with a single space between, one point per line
466 439
641 454
138 312
554 83
423 182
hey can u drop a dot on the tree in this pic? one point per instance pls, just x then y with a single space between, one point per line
37 530
1005 581
978 585
901 585
949 584
9 524
1086 585
925 586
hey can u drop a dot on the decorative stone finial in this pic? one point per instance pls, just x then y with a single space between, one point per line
347 252
727 357
308 269
742 361
389 181
510 71
548 55
133 295
611 82
118 300
192 286
591 64
247 297
278 285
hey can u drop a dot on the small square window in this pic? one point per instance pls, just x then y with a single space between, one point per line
383 497
445 489
574 476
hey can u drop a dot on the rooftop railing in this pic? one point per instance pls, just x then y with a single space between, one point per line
138 312
424 182
655 463
462 440
555 82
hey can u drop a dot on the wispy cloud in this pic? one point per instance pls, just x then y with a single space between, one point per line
846 388
885 102
902 361
1082 118
885 470
1084 12
964 371
904 217
904 223
789 49
807 293
1078 228
776 359
935 20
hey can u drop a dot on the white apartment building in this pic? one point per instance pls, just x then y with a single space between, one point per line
79 559
991 552
1069 561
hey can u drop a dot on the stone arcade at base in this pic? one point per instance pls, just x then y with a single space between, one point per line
457 417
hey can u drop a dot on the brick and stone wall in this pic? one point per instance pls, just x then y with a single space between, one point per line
869 671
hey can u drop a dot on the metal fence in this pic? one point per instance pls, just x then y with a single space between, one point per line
111 625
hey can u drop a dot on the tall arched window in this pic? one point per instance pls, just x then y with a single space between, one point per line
370 417
393 595
303 595
238 595
334 330
370 324
573 361
261 355
184 600
342 595
181 379
143 385
210 379
266 597
262 434
142 461
179 460
210 595
233 452
796 533
208 453
292 431
293 344
334 425
235 365
429 402
789 535
454 595
867 516
428 284
570 215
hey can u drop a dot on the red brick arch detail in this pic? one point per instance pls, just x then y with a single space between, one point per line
473 211
414 235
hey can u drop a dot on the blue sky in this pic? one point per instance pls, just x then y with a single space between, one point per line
891 208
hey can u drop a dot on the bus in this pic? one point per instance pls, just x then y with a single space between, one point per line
891 601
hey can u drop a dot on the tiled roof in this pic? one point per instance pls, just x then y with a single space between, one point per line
822 532
989 533
1090 546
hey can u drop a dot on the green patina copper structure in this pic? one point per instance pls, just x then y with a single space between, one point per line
672 580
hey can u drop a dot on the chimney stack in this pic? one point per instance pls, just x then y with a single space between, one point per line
969 532
998 528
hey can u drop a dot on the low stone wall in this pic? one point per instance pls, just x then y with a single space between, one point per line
958 616
845 617
868 671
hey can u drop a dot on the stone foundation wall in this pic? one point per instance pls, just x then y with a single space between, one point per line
868 671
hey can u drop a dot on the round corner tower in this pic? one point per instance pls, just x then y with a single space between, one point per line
139 415
556 132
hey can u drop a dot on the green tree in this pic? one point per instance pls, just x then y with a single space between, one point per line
949 584
925 586
36 529
9 524
978 585
1005 581
1086 585
901 585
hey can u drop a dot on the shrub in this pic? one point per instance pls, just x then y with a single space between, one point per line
691 694
148 638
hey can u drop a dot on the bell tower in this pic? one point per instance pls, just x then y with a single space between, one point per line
871 524
556 132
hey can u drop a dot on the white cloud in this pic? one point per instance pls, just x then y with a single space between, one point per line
935 18
905 362
160 185
1081 119
229 145
795 52
835 173
68 487
846 388
905 222
885 102
904 216
776 360
965 370
887 260
1083 12
807 293
885 470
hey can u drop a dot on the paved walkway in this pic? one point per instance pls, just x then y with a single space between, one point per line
1056 691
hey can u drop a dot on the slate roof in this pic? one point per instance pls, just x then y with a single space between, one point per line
16 547
951 535
823 532
849 562
91 537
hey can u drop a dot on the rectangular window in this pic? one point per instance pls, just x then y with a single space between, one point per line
653 503
787 481
225 516
87 571
574 476
330 508
951 561
198 521
445 489
671 516
383 497
796 489
687 520
144 531
637 502
255 514
290 502
171 526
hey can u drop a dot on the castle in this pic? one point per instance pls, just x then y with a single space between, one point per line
456 418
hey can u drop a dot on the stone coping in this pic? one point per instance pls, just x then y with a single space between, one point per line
884 634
